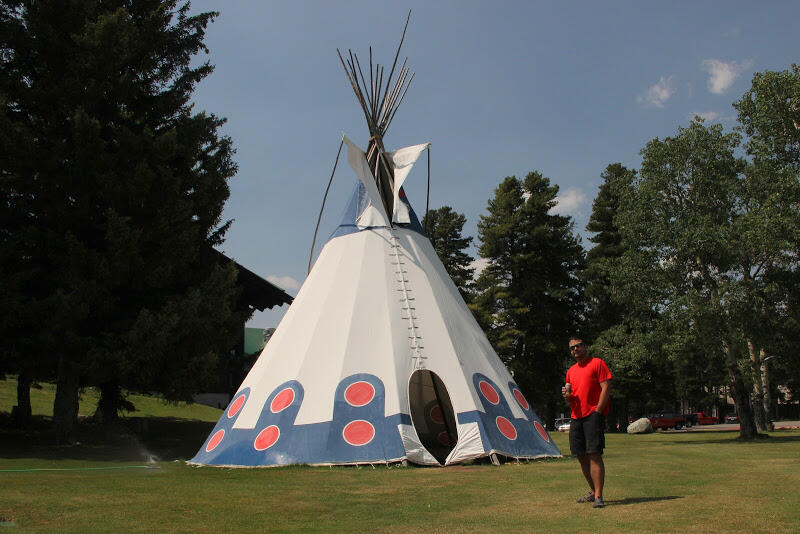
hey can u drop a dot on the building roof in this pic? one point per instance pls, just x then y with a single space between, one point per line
256 292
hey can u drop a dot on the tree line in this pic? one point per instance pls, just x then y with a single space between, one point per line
690 289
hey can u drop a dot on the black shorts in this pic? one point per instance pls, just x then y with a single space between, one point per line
587 435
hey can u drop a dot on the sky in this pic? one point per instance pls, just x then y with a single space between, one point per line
500 89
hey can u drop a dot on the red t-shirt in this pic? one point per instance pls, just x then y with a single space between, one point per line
585 379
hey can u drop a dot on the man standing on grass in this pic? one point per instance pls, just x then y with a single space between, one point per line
587 390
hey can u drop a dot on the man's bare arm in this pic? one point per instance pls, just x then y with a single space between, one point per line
604 395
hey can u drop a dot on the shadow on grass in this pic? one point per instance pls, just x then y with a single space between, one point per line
640 500
135 439
732 438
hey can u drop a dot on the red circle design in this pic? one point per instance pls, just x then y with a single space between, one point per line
506 427
521 399
358 432
267 438
236 405
540 429
282 400
359 393
489 392
445 439
215 439
436 415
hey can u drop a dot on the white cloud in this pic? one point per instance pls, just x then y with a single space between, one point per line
657 94
709 116
734 31
722 74
479 264
284 282
569 202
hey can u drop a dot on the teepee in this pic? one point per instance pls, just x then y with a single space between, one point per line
378 359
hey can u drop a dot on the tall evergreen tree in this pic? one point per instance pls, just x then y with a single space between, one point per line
603 311
445 230
529 295
116 188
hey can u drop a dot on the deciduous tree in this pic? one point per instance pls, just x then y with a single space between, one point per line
769 114
702 229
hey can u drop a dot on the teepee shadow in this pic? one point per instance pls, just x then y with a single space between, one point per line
639 500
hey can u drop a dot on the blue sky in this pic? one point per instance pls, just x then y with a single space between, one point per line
500 89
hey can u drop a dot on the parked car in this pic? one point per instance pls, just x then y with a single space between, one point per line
562 425
699 418
667 420
732 418
702 418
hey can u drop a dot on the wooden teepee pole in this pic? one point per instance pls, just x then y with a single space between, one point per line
379 104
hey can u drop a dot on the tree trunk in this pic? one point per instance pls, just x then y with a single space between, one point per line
21 413
65 406
759 413
767 395
109 404
611 420
741 398
626 413
618 415
550 413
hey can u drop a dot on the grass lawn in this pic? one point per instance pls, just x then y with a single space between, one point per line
146 406
663 482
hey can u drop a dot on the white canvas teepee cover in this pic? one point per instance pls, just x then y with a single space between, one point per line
378 359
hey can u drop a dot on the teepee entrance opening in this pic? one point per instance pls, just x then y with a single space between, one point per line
432 414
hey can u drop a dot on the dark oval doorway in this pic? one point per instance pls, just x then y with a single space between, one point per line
432 414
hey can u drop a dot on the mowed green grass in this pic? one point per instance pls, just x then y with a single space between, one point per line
146 406
663 482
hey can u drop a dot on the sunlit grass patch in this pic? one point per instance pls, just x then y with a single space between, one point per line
43 394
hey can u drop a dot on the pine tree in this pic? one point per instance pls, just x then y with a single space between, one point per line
116 188
444 228
603 311
529 295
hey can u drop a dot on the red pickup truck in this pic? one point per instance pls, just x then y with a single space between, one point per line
701 418
667 420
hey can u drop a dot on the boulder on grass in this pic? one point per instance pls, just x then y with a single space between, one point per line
640 426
